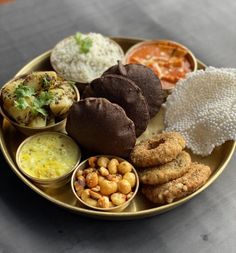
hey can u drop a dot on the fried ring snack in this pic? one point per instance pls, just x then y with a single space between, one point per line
166 172
160 149
178 188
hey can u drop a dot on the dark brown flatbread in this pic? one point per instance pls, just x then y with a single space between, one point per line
146 80
124 92
101 127
88 92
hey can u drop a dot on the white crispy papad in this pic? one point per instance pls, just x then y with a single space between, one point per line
202 108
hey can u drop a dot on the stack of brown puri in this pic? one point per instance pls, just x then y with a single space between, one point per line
166 170
115 109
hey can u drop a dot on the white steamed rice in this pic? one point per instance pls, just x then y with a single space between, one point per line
69 62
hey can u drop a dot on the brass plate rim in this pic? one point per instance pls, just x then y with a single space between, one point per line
106 215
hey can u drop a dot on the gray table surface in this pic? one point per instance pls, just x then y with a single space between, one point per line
29 223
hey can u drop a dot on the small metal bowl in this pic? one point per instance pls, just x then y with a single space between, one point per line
118 208
58 126
189 55
80 82
51 182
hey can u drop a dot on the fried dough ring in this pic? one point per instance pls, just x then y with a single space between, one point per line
178 188
166 172
160 149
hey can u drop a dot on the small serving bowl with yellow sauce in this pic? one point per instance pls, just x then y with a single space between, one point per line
105 183
48 158
169 60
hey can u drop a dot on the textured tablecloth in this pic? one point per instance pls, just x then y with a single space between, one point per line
29 223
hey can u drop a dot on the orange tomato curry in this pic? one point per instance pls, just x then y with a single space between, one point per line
169 62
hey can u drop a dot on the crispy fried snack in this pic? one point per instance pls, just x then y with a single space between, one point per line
179 188
160 149
166 172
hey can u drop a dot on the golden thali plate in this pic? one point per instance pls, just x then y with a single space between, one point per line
10 139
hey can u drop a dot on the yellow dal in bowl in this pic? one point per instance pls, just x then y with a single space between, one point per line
48 155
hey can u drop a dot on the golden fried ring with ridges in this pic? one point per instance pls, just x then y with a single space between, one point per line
160 149
196 177
166 172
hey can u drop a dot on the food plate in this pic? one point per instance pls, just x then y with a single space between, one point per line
10 139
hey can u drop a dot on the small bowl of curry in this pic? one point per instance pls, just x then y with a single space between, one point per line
48 158
169 60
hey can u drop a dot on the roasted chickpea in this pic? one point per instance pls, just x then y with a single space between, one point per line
85 196
79 185
92 179
87 171
118 198
108 187
124 186
114 177
92 161
124 167
102 161
103 171
100 179
104 202
91 202
130 177
81 180
97 188
95 195
112 166
79 173
79 188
